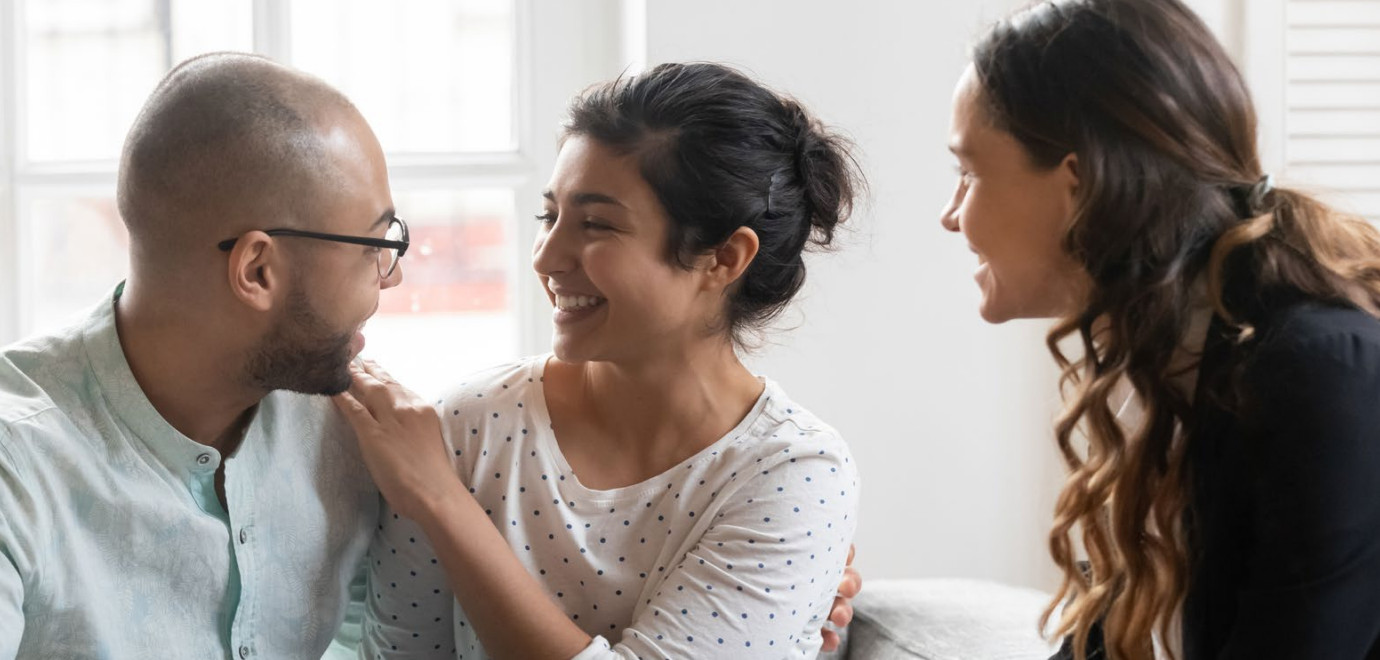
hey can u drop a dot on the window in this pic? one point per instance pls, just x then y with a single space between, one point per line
448 86
1315 68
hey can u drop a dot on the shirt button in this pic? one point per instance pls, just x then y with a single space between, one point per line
203 459
244 535
244 651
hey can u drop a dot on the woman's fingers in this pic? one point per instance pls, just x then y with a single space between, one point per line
842 613
852 579
851 584
362 384
377 389
375 371
373 388
376 375
354 411
831 641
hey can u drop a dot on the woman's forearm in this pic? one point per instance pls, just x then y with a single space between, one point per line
509 609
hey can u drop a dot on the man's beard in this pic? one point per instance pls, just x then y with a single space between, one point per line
302 353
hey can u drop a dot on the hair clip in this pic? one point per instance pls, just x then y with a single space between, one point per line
1249 201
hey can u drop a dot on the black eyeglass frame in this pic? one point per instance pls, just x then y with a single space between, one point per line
401 246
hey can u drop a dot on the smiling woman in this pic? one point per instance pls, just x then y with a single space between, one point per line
1220 427
1013 213
638 493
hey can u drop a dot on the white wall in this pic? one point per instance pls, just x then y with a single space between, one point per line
949 418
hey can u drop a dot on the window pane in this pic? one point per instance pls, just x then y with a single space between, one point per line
90 64
453 313
79 248
429 75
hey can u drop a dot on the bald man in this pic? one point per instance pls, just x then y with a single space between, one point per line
169 488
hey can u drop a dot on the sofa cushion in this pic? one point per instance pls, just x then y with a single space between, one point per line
945 619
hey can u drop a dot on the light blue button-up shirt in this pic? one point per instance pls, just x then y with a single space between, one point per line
113 543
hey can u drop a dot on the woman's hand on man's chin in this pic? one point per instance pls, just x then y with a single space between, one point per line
399 436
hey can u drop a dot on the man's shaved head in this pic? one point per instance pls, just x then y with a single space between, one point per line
226 143
230 146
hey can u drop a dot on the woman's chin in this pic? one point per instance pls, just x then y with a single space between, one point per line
993 309
993 313
568 349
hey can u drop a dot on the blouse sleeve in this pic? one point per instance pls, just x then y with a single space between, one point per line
1313 571
761 580
409 606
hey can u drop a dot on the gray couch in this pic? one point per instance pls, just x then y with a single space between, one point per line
944 620
913 619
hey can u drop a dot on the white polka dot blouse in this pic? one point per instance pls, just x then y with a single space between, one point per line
735 553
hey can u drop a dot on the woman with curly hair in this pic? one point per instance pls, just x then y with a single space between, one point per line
1222 418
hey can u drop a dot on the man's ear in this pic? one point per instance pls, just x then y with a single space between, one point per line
254 272
732 258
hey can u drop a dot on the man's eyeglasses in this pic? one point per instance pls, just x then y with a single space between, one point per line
392 246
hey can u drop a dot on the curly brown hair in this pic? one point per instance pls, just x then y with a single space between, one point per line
1165 135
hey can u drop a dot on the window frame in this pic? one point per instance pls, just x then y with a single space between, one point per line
545 75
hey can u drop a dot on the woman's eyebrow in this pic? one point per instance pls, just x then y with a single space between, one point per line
587 198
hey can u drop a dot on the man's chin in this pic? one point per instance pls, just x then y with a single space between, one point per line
335 389
337 386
